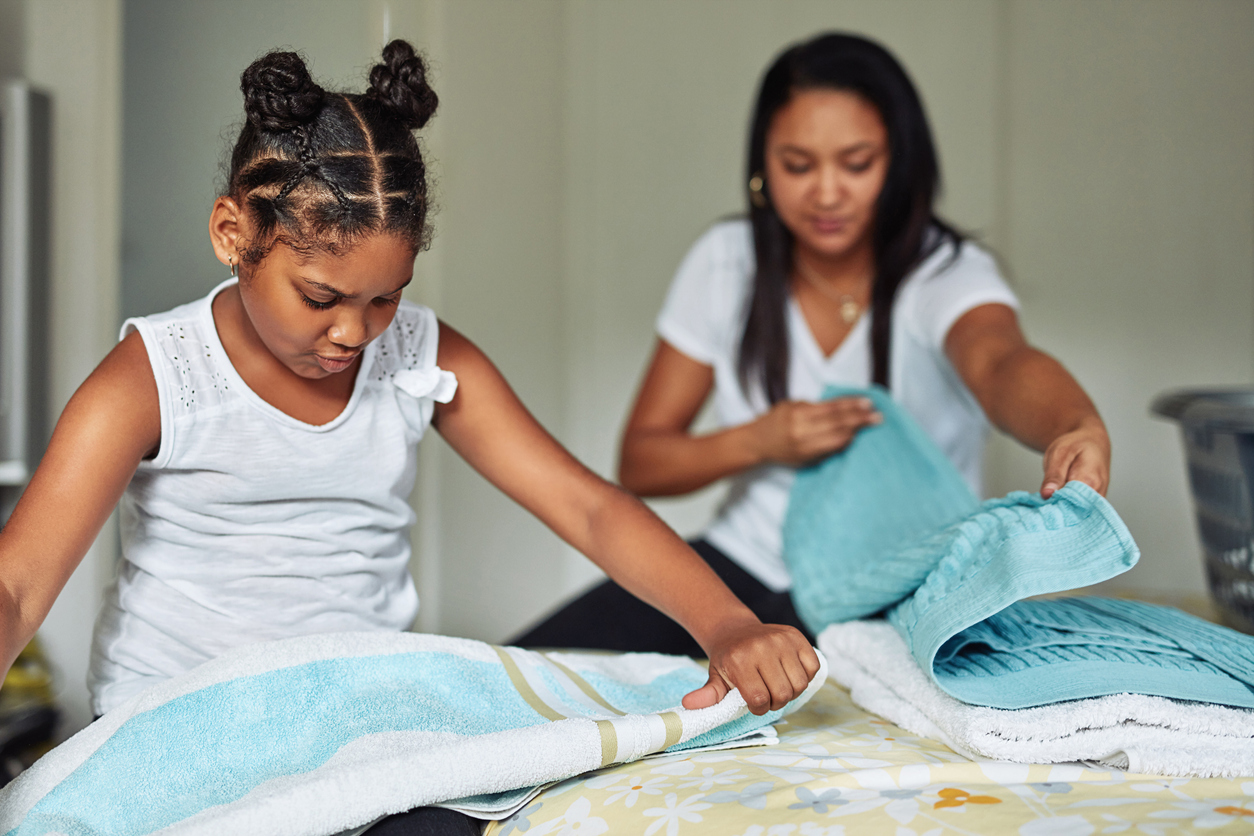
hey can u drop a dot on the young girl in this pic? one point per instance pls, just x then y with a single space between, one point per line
841 274
262 439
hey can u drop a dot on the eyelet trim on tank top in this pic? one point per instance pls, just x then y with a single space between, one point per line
410 344
185 389
405 346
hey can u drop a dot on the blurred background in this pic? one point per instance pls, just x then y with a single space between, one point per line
1103 149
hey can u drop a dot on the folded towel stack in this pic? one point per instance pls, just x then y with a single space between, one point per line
1091 678
1146 734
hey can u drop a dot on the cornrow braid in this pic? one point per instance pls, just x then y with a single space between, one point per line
318 170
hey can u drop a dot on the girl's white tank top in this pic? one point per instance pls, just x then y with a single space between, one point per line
249 525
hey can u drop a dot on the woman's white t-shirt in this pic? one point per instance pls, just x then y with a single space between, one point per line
249 525
704 317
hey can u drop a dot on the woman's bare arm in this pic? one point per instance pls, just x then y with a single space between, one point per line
660 457
109 425
487 424
1029 395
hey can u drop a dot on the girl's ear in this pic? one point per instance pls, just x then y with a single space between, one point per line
226 223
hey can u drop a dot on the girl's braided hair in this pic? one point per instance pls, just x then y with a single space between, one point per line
317 170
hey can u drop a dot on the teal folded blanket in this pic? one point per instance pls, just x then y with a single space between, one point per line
954 587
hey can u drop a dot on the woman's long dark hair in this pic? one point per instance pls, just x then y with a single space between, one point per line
903 211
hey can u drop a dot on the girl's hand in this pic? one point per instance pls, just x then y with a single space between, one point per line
771 664
1082 454
795 433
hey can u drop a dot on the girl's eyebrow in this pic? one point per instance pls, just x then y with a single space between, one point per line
326 288
339 294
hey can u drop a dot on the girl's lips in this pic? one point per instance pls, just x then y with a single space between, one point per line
336 364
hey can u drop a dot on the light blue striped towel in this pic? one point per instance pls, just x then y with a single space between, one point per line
314 736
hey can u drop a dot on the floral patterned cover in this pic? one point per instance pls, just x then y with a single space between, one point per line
839 771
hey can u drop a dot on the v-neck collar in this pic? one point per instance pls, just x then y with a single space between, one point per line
261 404
801 327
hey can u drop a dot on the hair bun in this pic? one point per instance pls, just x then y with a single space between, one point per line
400 83
279 95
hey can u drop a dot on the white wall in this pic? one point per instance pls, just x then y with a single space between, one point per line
499 148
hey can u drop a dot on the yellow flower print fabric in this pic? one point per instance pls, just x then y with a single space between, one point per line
839 771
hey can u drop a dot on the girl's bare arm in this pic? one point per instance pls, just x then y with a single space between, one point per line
487 424
109 425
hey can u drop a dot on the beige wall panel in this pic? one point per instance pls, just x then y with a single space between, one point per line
499 157
183 111
1129 228
12 40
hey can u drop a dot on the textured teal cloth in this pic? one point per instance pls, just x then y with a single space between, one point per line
1011 549
1036 652
889 523
851 515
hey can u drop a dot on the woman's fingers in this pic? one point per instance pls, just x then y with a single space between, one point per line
1057 466
826 427
1088 468
1075 458
797 432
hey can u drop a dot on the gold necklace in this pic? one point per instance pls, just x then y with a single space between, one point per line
849 307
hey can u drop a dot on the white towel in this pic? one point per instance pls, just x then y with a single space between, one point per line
1127 731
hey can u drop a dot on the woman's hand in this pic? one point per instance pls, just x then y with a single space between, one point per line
771 664
1082 455
661 456
795 433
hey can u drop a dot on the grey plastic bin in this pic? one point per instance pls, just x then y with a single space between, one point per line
1218 430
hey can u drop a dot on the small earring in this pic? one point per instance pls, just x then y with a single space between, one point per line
230 259
756 195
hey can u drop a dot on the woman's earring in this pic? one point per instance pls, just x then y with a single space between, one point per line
230 259
756 196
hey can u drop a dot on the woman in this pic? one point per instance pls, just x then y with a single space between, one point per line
842 274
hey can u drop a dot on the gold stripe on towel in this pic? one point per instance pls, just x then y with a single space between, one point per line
609 742
525 691
585 686
674 729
